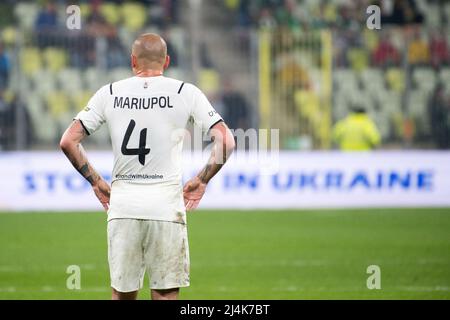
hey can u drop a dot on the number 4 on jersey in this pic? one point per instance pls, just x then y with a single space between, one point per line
142 151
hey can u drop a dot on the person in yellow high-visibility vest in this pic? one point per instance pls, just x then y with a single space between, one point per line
356 132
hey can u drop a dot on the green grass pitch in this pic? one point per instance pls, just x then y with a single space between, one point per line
244 254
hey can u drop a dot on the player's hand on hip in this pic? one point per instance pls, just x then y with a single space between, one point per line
193 192
102 191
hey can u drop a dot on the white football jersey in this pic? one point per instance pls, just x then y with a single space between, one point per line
146 117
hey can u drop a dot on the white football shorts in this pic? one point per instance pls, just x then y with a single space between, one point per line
158 247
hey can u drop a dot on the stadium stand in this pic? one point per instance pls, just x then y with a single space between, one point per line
392 72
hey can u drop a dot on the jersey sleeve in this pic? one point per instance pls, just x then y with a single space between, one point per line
203 113
93 115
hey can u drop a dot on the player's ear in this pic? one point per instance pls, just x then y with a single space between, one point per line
133 61
167 63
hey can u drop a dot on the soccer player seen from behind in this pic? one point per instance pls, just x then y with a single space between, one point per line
147 203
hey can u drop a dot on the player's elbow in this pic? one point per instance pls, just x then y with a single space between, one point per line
64 143
223 137
226 139
229 144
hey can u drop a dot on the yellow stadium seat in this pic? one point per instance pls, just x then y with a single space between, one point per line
9 95
307 103
398 122
395 78
30 60
330 12
85 9
358 59
209 81
232 4
111 12
80 99
58 104
371 39
55 59
134 16
9 36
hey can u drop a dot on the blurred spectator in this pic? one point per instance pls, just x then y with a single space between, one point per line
357 132
284 14
162 13
244 16
385 54
157 15
171 49
46 25
291 73
47 19
5 68
5 121
309 14
345 15
266 19
439 108
205 58
170 11
8 115
439 50
418 53
97 24
236 109
402 12
341 43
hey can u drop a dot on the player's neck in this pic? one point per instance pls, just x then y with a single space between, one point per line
149 73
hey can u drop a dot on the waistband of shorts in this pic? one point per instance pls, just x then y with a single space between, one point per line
147 219
136 184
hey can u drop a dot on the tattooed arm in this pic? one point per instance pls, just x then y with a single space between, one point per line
195 188
71 146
